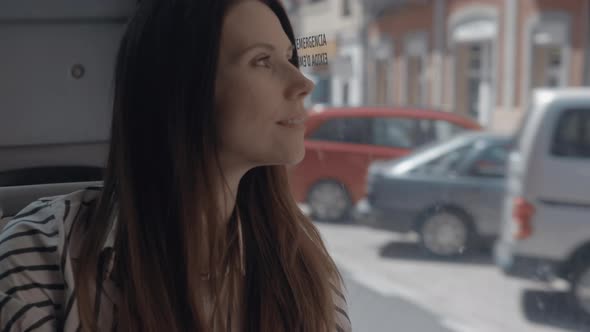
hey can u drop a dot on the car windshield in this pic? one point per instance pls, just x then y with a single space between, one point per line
438 147
430 152
505 247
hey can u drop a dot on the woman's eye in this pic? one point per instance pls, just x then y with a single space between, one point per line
265 61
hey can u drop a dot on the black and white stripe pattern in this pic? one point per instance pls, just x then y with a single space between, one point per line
31 286
38 251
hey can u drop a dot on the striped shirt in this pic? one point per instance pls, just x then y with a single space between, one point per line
38 254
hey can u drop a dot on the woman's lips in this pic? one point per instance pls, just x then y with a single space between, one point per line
297 121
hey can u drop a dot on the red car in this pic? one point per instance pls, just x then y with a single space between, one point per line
341 143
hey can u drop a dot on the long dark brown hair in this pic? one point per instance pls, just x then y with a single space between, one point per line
158 185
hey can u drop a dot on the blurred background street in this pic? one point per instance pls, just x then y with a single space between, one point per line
394 286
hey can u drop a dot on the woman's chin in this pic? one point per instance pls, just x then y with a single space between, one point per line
290 159
293 162
297 157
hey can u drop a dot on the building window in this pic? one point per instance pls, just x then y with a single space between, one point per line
342 72
415 82
548 53
345 7
478 78
416 69
381 66
548 50
474 85
322 92
381 73
547 66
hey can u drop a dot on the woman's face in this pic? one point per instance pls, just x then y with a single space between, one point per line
259 93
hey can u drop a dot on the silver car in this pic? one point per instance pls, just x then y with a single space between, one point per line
450 193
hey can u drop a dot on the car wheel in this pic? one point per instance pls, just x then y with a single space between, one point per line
445 233
580 289
329 201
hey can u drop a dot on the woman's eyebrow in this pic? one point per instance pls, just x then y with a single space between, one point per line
267 46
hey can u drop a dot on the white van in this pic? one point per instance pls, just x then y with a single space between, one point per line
546 226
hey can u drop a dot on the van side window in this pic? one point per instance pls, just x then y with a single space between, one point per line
572 135
344 130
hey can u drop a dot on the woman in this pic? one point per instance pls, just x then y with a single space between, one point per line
194 228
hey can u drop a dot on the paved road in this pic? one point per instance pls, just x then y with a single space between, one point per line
371 311
394 287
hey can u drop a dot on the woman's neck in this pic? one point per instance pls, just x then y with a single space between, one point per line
228 187
227 196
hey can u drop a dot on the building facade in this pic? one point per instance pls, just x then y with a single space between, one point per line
480 58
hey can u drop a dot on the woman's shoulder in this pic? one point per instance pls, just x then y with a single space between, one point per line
47 220
34 274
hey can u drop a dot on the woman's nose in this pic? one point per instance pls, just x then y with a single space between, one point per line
300 86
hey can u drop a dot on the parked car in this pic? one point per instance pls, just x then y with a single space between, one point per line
450 193
342 142
546 220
